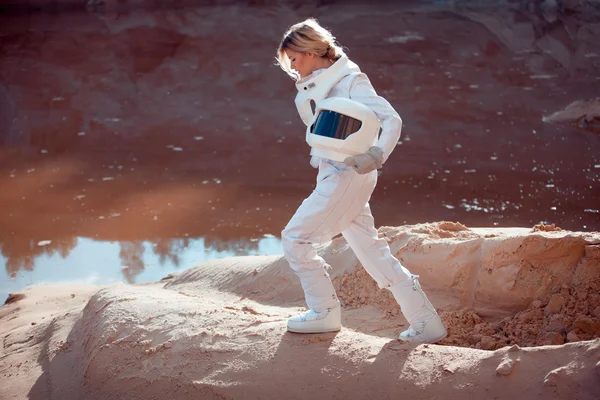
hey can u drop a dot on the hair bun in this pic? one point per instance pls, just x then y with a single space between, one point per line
330 51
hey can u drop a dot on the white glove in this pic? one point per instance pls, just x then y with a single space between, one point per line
366 162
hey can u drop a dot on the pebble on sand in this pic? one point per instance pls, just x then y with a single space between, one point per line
507 366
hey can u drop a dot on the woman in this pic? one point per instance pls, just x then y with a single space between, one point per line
308 53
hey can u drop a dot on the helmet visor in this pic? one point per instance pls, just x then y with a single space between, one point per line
335 125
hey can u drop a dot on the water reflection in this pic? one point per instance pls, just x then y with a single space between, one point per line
21 254
80 260
169 249
131 254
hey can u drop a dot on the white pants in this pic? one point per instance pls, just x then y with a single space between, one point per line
339 203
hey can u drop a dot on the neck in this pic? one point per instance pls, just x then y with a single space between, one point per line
322 63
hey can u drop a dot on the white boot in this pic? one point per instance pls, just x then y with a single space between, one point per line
425 324
311 321
324 314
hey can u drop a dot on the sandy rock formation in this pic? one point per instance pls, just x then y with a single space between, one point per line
218 330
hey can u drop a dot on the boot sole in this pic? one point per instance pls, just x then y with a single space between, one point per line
292 330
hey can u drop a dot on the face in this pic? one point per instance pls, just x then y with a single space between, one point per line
303 63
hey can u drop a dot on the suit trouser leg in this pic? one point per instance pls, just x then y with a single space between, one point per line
375 256
340 195
374 252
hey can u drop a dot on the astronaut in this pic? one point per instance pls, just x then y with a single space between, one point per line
352 132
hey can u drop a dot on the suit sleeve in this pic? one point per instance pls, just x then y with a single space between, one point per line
362 91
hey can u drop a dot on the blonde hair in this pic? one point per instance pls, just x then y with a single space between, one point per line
307 37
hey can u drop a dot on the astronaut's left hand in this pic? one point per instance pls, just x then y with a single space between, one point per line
366 162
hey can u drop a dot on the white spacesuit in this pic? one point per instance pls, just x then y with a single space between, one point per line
340 203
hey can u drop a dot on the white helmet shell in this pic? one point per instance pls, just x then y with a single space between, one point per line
342 128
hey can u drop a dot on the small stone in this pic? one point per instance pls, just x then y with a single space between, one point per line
488 343
514 348
556 323
168 345
593 349
592 251
483 329
572 337
585 324
552 378
550 338
536 303
507 366
581 296
14 297
596 312
34 323
555 305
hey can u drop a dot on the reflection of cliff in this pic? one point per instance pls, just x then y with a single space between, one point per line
168 249
132 263
21 254
237 247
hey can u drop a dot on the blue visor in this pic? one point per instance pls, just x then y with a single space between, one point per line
335 125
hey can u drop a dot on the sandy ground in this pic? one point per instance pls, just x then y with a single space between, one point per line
217 330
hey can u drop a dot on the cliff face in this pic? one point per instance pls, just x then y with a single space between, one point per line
169 71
